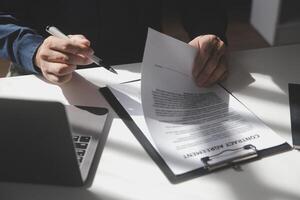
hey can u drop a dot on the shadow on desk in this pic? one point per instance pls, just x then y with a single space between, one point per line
273 68
80 91
248 185
281 64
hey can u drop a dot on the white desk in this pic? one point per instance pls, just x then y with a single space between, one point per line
126 171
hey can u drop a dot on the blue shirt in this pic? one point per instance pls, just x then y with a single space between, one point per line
17 43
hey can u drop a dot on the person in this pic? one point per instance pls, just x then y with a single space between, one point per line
117 30
55 58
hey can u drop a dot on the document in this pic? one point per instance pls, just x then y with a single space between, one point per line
183 122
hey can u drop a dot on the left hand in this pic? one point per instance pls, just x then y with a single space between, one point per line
210 65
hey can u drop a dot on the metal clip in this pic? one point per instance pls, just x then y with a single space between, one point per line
230 157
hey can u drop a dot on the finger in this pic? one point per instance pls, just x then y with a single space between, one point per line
80 60
80 39
64 79
67 58
197 65
199 60
67 46
59 69
215 78
58 79
51 77
212 63
224 76
218 74
77 35
206 46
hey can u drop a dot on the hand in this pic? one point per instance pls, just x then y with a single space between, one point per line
210 65
57 58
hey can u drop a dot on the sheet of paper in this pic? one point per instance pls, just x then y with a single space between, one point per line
129 96
186 122
101 76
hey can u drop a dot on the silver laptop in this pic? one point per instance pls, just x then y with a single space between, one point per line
49 143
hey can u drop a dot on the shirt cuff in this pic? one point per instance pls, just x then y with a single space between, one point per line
27 51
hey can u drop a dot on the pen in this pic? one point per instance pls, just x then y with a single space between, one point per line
98 61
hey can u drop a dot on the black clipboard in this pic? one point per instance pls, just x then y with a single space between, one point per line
294 100
209 165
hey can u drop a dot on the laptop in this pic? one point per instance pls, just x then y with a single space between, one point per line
47 142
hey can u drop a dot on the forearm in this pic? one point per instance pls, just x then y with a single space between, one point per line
17 43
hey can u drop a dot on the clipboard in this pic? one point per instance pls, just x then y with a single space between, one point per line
225 159
294 100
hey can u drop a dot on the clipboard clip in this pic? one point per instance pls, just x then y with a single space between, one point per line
230 157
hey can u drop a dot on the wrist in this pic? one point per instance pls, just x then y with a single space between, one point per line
36 60
36 41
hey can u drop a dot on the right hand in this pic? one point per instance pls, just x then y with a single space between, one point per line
210 66
57 58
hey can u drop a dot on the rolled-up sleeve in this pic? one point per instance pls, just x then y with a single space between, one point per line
18 43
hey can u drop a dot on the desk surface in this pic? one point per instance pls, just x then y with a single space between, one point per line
259 79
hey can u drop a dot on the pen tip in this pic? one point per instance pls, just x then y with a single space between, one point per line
112 70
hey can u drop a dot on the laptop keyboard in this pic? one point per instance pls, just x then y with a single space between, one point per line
81 145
